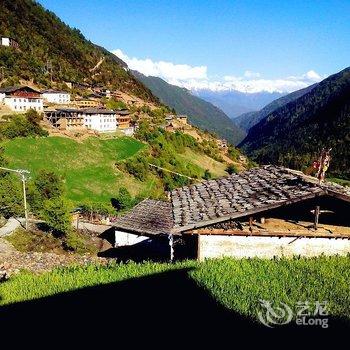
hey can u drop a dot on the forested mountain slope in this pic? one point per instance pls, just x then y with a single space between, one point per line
201 113
49 50
295 133
248 120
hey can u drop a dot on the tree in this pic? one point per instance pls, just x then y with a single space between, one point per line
11 196
232 169
48 184
33 117
56 214
207 175
124 200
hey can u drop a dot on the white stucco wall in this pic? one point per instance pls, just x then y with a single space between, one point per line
124 239
101 122
128 131
59 97
20 104
5 41
211 246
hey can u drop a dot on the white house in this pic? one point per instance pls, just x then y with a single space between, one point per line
8 42
101 120
57 97
21 99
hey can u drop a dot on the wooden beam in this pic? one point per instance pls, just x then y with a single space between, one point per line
317 216
266 233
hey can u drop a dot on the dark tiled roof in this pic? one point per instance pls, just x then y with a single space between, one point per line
249 192
150 217
86 110
234 196
122 112
51 91
15 88
97 111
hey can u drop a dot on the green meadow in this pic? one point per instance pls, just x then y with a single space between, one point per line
87 167
238 285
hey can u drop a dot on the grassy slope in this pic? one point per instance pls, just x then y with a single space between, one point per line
216 168
237 284
87 167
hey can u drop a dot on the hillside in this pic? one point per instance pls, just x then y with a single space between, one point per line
89 167
201 113
235 103
295 133
52 52
248 120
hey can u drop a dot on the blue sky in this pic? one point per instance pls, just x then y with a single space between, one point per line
226 42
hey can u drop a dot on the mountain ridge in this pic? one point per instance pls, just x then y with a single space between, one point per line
51 52
294 134
248 120
201 113
235 103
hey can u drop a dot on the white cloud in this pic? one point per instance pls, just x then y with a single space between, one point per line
166 70
196 77
249 74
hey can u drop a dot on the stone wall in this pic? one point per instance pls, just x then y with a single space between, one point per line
210 246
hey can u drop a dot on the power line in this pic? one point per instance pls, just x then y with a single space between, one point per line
173 172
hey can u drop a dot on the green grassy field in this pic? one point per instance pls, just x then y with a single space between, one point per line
236 284
339 181
87 167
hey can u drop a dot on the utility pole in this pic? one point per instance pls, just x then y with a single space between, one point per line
24 177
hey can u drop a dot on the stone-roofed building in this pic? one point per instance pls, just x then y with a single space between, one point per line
243 194
150 217
266 202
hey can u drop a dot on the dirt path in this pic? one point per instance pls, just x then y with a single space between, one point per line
98 64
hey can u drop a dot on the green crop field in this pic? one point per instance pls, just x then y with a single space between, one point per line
235 284
88 167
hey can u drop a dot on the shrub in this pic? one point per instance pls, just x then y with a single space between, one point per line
124 200
22 126
137 167
11 196
78 243
232 169
207 175
56 214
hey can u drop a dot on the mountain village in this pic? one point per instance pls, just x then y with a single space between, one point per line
101 175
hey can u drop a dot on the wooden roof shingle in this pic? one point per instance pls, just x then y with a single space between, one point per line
150 217
230 197
246 193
